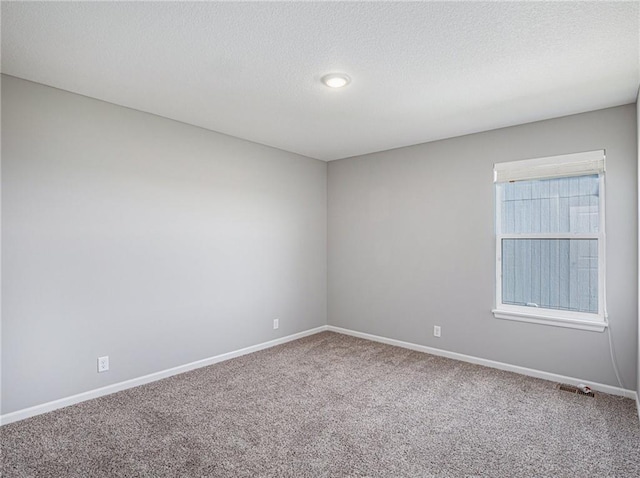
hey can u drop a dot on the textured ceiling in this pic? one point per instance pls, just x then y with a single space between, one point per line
420 71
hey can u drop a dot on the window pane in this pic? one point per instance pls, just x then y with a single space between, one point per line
551 273
564 205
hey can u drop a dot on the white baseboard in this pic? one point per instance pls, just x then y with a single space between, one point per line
601 387
152 377
116 387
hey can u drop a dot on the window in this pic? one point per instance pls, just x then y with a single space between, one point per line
550 241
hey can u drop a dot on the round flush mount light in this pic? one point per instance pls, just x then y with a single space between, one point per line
336 80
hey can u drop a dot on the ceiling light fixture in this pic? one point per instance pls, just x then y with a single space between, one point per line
336 80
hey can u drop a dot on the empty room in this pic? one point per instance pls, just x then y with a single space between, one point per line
320 239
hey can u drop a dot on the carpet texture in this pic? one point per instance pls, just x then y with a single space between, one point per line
331 405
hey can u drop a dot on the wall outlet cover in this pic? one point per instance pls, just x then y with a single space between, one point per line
103 364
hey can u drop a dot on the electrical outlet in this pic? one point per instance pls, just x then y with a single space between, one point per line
436 331
276 324
103 364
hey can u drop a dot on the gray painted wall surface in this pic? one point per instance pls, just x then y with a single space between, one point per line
151 241
411 245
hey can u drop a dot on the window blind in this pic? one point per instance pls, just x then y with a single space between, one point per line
575 164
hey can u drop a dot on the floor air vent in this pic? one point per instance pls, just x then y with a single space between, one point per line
574 389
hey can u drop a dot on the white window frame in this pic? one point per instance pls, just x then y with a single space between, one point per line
569 165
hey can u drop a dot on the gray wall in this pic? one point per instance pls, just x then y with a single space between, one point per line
158 243
151 241
411 245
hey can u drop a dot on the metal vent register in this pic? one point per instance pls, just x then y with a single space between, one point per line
573 389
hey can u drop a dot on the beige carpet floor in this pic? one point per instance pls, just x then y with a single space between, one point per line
330 405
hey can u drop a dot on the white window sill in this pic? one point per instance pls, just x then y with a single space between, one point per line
538 318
